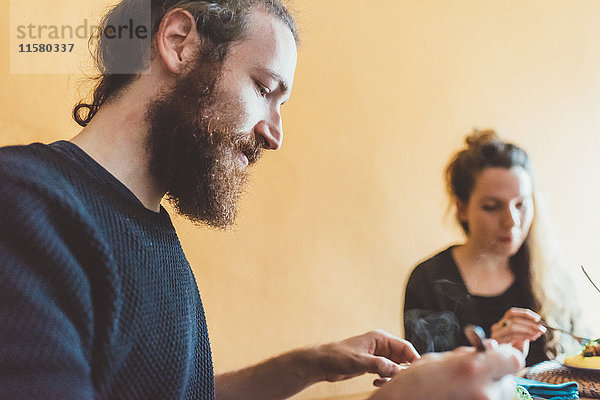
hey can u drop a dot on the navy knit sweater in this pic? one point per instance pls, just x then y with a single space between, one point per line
97 299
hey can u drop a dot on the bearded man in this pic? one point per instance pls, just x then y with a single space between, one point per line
98 300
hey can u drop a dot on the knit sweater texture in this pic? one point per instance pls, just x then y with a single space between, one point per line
97 299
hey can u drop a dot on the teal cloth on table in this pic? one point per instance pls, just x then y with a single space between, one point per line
551 391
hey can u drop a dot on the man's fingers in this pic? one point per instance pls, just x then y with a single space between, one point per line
460 374
382 366
394 348
492 364
375 352
381 381
503 361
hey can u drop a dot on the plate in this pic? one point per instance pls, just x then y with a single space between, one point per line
590 364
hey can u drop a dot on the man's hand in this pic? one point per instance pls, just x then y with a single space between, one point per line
459 374
377 352
283 376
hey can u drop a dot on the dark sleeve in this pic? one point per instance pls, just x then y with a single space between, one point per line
418 293
418 303
45 304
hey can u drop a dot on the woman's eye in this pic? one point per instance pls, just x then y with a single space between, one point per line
488 207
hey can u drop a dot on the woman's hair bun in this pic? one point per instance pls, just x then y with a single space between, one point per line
479 138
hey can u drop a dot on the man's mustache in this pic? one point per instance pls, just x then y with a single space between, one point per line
251 147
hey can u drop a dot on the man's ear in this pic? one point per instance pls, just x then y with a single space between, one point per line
177 40
461 210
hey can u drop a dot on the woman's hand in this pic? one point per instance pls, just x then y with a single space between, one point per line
518 327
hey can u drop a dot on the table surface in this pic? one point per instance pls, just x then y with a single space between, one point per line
364 396
360 396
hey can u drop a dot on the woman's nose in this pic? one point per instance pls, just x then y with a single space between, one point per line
511 217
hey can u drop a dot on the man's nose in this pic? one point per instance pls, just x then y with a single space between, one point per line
271 131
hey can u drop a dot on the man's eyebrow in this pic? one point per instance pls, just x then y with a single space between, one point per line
283 86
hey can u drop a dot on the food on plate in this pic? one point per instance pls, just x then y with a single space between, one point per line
588 358
592 349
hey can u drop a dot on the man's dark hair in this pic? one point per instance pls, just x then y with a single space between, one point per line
219 22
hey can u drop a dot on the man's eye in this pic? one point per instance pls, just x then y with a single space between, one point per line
488 207
262 89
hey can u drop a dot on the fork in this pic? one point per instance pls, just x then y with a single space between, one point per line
582 340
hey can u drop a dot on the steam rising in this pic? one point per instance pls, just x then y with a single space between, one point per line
437 331
432 331
452 290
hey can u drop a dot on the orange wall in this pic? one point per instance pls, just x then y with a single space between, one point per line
384 93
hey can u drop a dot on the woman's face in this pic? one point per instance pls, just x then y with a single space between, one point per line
500 210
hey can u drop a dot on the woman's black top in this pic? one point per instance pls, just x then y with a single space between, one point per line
438 306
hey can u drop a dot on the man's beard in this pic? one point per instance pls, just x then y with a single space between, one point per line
194 145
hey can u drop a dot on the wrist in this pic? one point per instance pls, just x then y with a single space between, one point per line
310 365
303 365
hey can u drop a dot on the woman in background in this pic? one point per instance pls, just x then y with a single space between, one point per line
504 277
